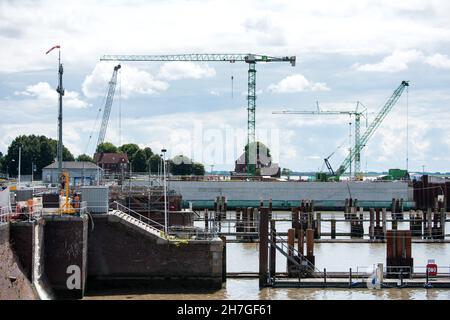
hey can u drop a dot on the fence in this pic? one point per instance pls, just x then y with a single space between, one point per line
7 214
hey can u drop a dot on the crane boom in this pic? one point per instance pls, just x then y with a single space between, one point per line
372 127
207 57
249 58
356 113
108 105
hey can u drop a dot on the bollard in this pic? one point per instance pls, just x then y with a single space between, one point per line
333 229
206 220
350 277
224 259
263 246
429 224
272 257
301 242
310 246
371 226
318 224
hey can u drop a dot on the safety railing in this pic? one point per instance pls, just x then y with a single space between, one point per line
5 214
290 253
150 222
24 214
441 271
192 233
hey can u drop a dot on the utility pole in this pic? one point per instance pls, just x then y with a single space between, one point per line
166 218
20 162
60 91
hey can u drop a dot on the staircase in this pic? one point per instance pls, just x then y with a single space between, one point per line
133 218
285 249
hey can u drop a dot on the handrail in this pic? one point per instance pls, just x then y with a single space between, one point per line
141 217
295 252
7 214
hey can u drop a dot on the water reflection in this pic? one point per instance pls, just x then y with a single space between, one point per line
236 289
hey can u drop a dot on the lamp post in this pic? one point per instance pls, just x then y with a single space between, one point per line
20 160
166 226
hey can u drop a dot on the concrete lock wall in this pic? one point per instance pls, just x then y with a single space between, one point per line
22 242
65 255
323 193
14 284
122 256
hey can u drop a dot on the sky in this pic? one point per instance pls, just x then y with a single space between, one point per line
347 51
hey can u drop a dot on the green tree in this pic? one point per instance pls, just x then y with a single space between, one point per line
154 163
106 147
286 172
2 159
198 169
261 149
139 162
37 150
130 149
148 153
180 166
84 157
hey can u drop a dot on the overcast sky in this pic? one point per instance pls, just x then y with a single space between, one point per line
347 51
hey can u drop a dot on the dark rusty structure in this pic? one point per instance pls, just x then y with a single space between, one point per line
399 262
426 193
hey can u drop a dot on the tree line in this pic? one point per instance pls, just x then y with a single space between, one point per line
145 160
39 151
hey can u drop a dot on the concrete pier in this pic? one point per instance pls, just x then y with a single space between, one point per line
122 255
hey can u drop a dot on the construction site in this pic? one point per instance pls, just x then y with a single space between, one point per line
81 234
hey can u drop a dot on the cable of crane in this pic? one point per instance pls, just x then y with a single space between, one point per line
120 107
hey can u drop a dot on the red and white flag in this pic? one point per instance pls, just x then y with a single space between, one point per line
52 49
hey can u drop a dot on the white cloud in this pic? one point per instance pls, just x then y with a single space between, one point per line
46 96
439 61
87 29
185 70
131 80
297 83
398 61
215 93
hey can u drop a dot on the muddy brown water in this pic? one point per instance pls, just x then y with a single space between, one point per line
338 257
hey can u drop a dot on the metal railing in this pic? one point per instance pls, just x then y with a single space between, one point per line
151 223
7 214
280 244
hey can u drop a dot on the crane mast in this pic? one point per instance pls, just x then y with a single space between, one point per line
108 105
372 128
251 59
357 113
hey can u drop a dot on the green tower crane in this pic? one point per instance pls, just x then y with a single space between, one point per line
371 130
357 113
251 59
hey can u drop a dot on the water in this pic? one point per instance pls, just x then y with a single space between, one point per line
237 289
335 257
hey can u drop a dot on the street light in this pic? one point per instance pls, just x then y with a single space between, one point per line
165 191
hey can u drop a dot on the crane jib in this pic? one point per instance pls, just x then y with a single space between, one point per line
373 126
